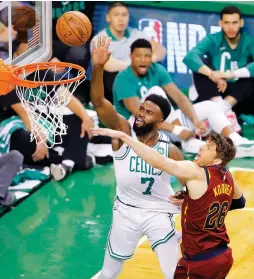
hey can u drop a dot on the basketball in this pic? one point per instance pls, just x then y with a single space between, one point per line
23 18
73 28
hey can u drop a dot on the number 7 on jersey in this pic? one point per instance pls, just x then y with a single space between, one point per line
150 181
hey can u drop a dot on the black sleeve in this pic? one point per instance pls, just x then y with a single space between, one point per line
238 203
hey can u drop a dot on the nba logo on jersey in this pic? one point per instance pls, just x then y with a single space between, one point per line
152 27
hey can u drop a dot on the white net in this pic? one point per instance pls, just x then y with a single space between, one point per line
46 104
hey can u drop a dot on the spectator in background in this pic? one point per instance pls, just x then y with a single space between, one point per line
224 75
73 153
143 77
10 164
122 37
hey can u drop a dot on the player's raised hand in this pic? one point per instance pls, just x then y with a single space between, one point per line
107 132
100 52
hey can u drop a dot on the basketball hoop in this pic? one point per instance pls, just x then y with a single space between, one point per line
45 101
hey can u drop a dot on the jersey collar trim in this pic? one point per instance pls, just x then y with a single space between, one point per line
109 33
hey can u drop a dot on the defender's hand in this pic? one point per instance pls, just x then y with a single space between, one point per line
107 132
177 198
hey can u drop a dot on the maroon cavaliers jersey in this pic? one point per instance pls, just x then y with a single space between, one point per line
203 219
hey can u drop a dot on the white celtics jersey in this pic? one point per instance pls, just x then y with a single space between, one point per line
139 184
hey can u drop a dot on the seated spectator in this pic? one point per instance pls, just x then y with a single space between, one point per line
74 143
10 164
138 80
224 75
122 37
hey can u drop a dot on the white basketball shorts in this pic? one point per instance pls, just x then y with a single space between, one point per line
129 224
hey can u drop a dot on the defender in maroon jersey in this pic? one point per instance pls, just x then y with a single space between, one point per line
205 240
203 219
204 246
211 193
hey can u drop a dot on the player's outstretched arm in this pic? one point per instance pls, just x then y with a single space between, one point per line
184 170
104 109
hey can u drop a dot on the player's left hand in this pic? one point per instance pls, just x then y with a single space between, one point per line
175 201
177 198
86 127
107 132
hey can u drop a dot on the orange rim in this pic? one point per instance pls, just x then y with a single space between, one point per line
30 68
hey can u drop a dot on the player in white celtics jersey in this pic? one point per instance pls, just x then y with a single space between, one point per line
141 206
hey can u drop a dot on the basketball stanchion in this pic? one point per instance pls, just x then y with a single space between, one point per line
43 100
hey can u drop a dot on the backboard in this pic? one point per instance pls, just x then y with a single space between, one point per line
33 22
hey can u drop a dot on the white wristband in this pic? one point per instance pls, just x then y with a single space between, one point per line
242 73
178 129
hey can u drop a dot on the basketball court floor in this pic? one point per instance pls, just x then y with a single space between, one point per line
61 229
